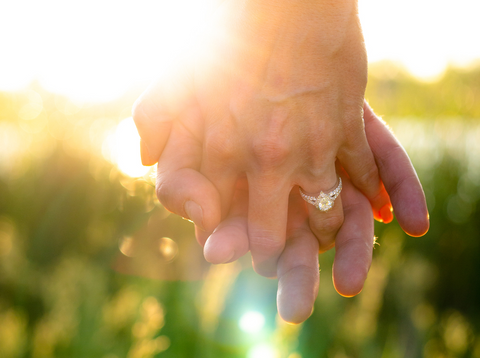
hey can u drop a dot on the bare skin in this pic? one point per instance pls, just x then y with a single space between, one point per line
280 92
179 183
277 103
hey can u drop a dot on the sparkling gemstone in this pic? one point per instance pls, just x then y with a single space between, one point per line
325 203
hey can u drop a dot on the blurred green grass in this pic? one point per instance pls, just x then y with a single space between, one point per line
72 284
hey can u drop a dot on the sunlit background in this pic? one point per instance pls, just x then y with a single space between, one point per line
91 265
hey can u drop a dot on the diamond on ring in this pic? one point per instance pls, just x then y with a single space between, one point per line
324 201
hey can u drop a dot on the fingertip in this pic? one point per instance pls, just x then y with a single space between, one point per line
377 216
418 228
189 194
382 206
347 282
154 128
347 289
353 258
201 236
297 291
294 317
413 216
386 214
228 242
216 253
145 155
265 269
195 213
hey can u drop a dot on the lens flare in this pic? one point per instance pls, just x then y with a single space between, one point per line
262 351
252 322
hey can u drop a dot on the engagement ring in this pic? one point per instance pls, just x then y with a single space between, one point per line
324 201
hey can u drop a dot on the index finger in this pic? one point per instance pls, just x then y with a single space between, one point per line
156 108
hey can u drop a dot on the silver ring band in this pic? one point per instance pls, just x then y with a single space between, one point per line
324 201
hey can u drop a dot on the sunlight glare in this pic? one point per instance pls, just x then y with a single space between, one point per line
33 107
252 322
95 50
262 351
124 149
424 35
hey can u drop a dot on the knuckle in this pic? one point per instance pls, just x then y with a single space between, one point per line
395 188
353 127
270 151
330 223
220 144
355 206
266 243
392 155
369 177
163 190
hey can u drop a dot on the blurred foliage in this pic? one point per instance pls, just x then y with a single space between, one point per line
393 92
92 266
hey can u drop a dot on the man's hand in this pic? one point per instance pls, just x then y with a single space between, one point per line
185 191
280 92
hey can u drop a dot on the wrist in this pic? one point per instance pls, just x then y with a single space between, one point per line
328 16
325 23
290 8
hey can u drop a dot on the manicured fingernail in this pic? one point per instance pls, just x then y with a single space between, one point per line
145 154
194 213
386 214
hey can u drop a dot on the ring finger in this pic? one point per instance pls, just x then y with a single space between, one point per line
325 214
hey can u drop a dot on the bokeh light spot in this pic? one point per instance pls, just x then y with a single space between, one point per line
262 351
13 144
126 246
252 322
167 248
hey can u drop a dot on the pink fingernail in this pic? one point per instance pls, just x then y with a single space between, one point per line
194 213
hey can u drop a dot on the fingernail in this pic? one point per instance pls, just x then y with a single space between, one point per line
386 214
194 213
145 154
229 259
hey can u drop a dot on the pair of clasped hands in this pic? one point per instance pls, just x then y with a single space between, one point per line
274 103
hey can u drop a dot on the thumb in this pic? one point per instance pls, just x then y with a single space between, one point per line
154 111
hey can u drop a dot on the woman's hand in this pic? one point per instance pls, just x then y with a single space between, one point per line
183 190
279 91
